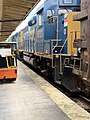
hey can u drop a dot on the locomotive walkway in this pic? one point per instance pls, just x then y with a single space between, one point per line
33 98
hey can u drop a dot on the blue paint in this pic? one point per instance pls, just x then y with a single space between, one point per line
47 31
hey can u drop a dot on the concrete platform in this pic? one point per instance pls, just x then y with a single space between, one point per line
33 98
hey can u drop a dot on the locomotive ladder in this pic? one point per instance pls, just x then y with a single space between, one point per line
53 54
61 47
54 47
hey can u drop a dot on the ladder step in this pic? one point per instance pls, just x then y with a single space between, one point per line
38 67
58 82
57 46
43 71
84 79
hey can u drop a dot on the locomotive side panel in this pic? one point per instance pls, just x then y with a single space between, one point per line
49 47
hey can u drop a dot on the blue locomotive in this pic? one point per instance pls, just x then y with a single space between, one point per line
47 41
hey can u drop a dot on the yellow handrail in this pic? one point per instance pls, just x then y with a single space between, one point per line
75 36
61 56
56 38
75 33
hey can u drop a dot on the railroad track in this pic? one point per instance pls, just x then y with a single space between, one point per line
87 102
82 101
86 99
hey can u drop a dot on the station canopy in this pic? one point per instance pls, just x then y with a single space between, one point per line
12 12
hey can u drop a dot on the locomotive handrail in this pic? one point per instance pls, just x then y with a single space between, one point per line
75 37
75 33
63 47
52 54
56 38
53 40
61 55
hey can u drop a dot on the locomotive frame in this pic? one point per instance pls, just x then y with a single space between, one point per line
47 42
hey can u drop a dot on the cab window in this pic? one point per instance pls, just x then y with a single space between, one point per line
50 16
39 20
63 11
50 13
33 21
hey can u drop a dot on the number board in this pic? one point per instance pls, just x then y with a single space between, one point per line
67 1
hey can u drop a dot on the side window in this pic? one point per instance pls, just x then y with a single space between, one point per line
50 13
63 11
40 20
50 16
33 21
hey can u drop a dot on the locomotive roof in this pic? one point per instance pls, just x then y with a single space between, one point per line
8 43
